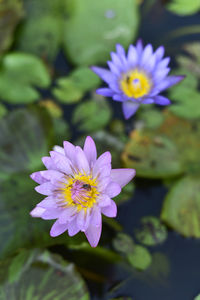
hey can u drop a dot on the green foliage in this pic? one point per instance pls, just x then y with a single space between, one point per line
191 61
186 97
149 117
182 207
184 7
3 110
140 258
152 232
41 33
94 28
197 297
166 151
72 88
41 276
10 14
25 137
92 115
126 193
19 72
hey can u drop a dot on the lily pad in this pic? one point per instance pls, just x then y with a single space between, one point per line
140 258
184 7
3 110
152 232
123 243
42 276
11 12
21 72
94 28
191 61
197 297
152 155
72 88
41 31
92 115
181 207
25 137
165 151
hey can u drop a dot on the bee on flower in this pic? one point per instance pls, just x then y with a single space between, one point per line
79 189
137 78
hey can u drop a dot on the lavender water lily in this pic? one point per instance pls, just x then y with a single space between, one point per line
137 78
79 188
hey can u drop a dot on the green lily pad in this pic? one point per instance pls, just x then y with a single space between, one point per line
184 7
92 115
152 232
41 31
140 258
3 110
25 137
165 151
10 14
41 276
152 155
186 97
21 72
123 243
197 297
72 88
182 207
149 117
94 28
191 61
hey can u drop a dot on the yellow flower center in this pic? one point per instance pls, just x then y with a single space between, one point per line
135 84
80 191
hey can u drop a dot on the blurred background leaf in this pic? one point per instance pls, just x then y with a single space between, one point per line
184 7
94 28
19 73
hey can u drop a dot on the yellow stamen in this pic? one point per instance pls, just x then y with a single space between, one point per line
86 192
135 84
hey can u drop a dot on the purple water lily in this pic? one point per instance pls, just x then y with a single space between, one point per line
137 78
79 188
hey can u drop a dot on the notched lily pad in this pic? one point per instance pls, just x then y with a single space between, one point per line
19 72
94 28
152 232
181 207
184 7
72 88
42 276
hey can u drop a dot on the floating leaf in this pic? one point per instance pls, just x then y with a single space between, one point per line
94 28
165 151
140 258
152 155
184 7
25 137
53 108
186 97
42 276
123 243
92 115
149 117
152 232
197 297
72 88
3 110
10 15
181 207
41 32
191 62
21 72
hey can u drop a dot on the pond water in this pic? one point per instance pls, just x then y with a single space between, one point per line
26 135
